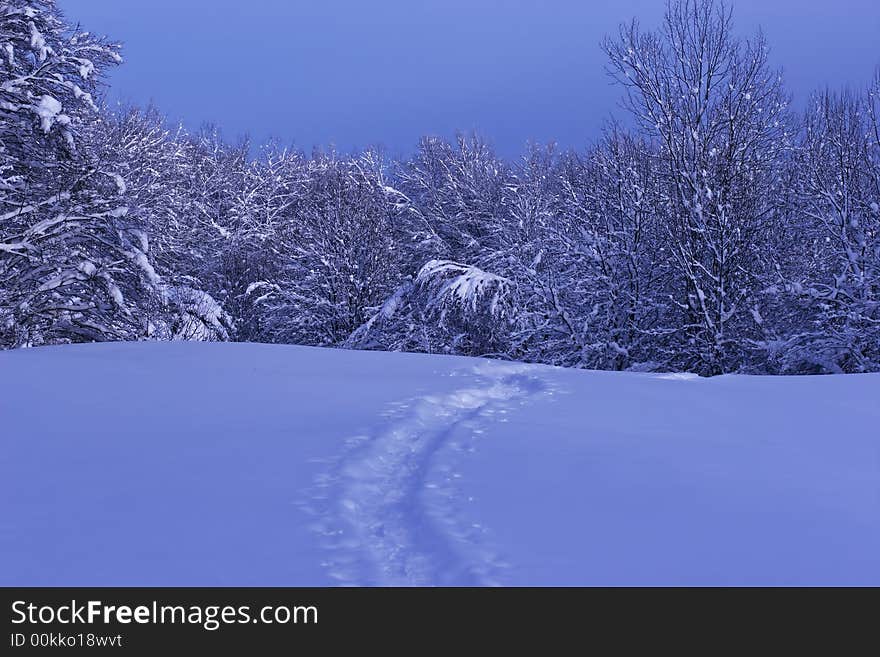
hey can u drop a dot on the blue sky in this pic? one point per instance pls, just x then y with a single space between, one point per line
355 73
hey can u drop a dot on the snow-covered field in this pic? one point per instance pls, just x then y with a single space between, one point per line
230 464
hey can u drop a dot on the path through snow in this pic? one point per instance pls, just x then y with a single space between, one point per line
386 517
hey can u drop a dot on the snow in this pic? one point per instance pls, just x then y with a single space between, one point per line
201 317
359 336
143 263
48 109
38 43
119 181
256 286
641 480
142 238
86 68
116 294
233 464
468 285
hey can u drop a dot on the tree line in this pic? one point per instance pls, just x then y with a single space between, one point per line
714 230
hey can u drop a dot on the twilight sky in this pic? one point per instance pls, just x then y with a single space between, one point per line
358 72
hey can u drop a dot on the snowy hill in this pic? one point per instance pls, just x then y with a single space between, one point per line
232 464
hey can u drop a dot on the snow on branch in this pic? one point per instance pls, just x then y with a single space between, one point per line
467 287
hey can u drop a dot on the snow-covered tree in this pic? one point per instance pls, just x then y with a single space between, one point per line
717 113
154 163
456 190
71 263
536 252
256 252
836 273
629 263
338 246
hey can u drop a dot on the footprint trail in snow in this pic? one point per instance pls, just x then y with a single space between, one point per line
381 519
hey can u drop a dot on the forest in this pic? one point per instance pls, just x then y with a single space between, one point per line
712 229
